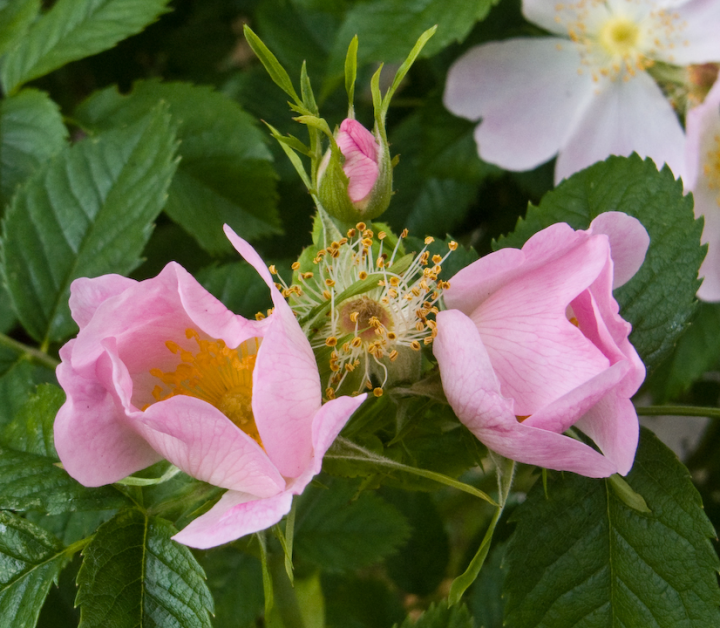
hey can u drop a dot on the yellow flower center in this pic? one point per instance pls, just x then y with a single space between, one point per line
216 374
619 36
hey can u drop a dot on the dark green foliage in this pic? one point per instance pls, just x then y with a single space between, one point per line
441 616
71 30
30 560
339 533
31 430
660 299
134 575
387 29
235 578
238 286
420 564
225 173
31 132
91 210
696 352
583 558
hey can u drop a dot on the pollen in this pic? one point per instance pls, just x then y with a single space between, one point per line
216 374
371 311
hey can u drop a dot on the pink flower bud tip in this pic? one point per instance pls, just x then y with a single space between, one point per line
360 150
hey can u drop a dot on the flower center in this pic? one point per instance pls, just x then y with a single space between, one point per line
364 317
619 36
216 374
617 40
377 303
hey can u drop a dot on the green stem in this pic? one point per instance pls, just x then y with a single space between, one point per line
34 354
364 455
713 413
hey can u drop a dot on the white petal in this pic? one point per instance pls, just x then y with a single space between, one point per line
707 204
625 117
698 41
543 13
528 92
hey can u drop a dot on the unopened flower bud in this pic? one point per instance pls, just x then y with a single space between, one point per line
355 180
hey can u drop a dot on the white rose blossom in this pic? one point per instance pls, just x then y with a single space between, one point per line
585 93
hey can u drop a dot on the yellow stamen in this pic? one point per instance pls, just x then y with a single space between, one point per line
216 374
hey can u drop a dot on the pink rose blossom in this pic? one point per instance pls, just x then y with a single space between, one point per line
361 153
152 375
703 180
533 344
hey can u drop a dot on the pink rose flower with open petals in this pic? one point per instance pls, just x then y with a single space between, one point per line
161 369
534 344
703 180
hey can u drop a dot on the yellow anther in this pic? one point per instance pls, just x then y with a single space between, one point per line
331 341
378 392
259 316
361 226
295 265
272 269
415 345
362 275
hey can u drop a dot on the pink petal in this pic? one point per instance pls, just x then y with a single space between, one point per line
327 424
86 294
528 93
360 149
473 392
629 242
537 353
235 515
95 441
625 117
563 412
199 439
286 384
613 425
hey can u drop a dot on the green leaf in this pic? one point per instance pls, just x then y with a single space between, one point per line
225 173
134 575
485 598
238 286
17 381
505 470
235 578
74 29
388 29
87 212
440 616
360 602
696 353
339 534
277 73
15 18
660 299
31 430
581 557
30 560
31 132
420 565
30 482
